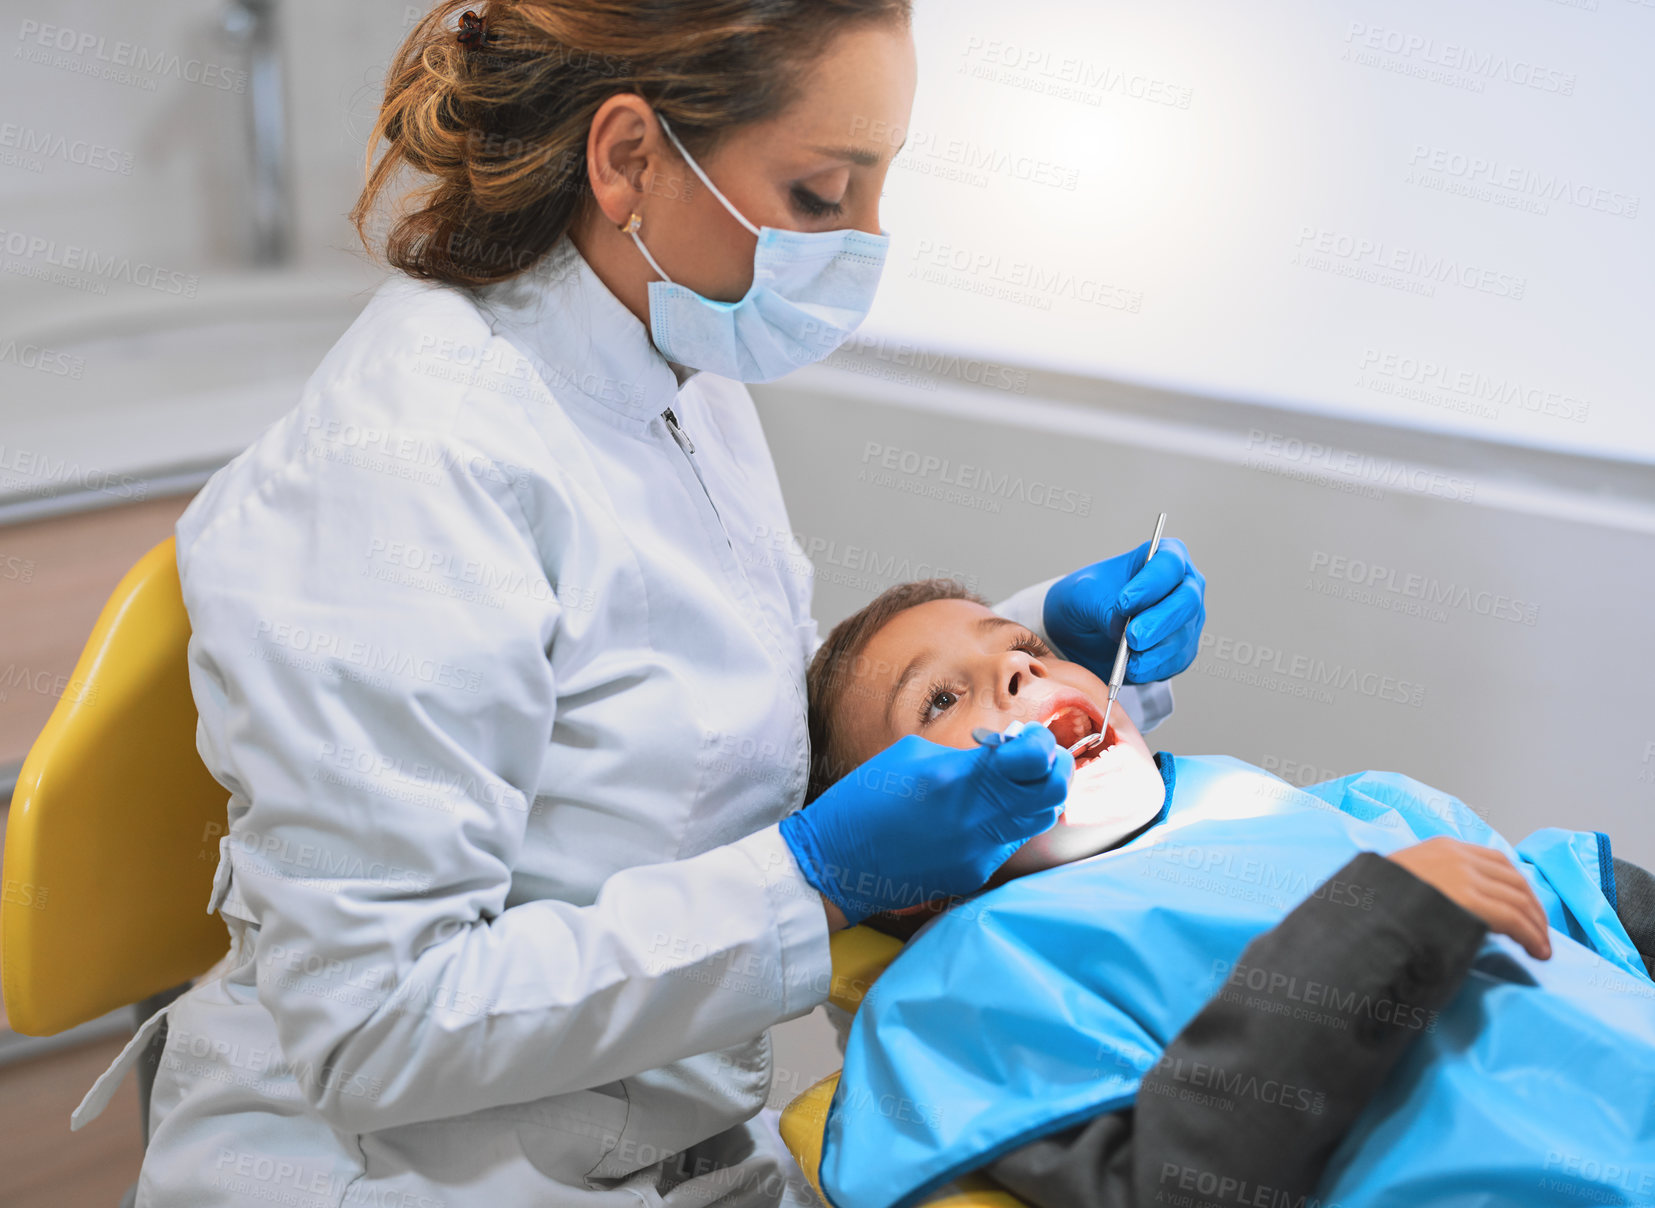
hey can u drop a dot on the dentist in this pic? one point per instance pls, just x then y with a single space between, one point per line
505 685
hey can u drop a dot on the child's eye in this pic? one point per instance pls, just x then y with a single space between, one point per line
938 700
1030 644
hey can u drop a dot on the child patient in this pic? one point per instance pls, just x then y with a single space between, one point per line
1117 978
932 659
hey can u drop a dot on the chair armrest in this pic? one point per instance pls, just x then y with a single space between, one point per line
802 1124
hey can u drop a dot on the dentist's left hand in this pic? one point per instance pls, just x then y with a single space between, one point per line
1162 607
921 822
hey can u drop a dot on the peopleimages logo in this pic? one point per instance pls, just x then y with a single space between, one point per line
1463 388
1479 65
119 61
1322 248
1039 69
1524 181
932 364
976 270
879 458
26 140
823 553
930 153
34 472
1269 662
77 258
1364 469
1427 589
45 360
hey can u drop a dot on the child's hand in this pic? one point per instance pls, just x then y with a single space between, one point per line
1484 882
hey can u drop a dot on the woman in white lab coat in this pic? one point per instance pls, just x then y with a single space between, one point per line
501 675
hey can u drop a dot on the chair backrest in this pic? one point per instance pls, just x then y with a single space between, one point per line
113 835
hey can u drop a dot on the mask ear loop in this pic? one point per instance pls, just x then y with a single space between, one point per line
739 217
630 226
634 220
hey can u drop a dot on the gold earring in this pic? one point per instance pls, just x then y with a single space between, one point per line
632 224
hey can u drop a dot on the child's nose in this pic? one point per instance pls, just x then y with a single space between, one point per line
1020 672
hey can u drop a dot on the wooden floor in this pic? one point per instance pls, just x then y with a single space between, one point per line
42 1163
54 578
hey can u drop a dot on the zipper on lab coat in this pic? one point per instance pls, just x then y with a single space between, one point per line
735 561
679 435
754 613
688 446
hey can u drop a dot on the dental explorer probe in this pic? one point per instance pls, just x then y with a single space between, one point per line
1117 677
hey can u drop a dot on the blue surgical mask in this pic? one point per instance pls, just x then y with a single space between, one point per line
810 290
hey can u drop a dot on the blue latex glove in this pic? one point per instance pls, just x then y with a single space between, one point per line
920 821
1162 606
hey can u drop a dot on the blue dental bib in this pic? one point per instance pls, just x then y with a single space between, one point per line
1045 1002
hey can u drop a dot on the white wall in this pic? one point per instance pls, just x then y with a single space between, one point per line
1422 212
1132 191
174 128
134 335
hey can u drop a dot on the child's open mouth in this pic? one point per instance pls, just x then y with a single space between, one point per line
1076 720
1090 800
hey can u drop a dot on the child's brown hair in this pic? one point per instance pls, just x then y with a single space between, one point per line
836 663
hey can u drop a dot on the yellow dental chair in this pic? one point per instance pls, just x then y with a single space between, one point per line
112 838
112 842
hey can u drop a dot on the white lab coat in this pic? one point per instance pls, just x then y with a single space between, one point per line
507 690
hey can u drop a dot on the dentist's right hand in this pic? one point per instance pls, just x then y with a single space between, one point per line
921 821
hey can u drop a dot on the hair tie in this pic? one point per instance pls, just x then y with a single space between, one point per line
470 34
